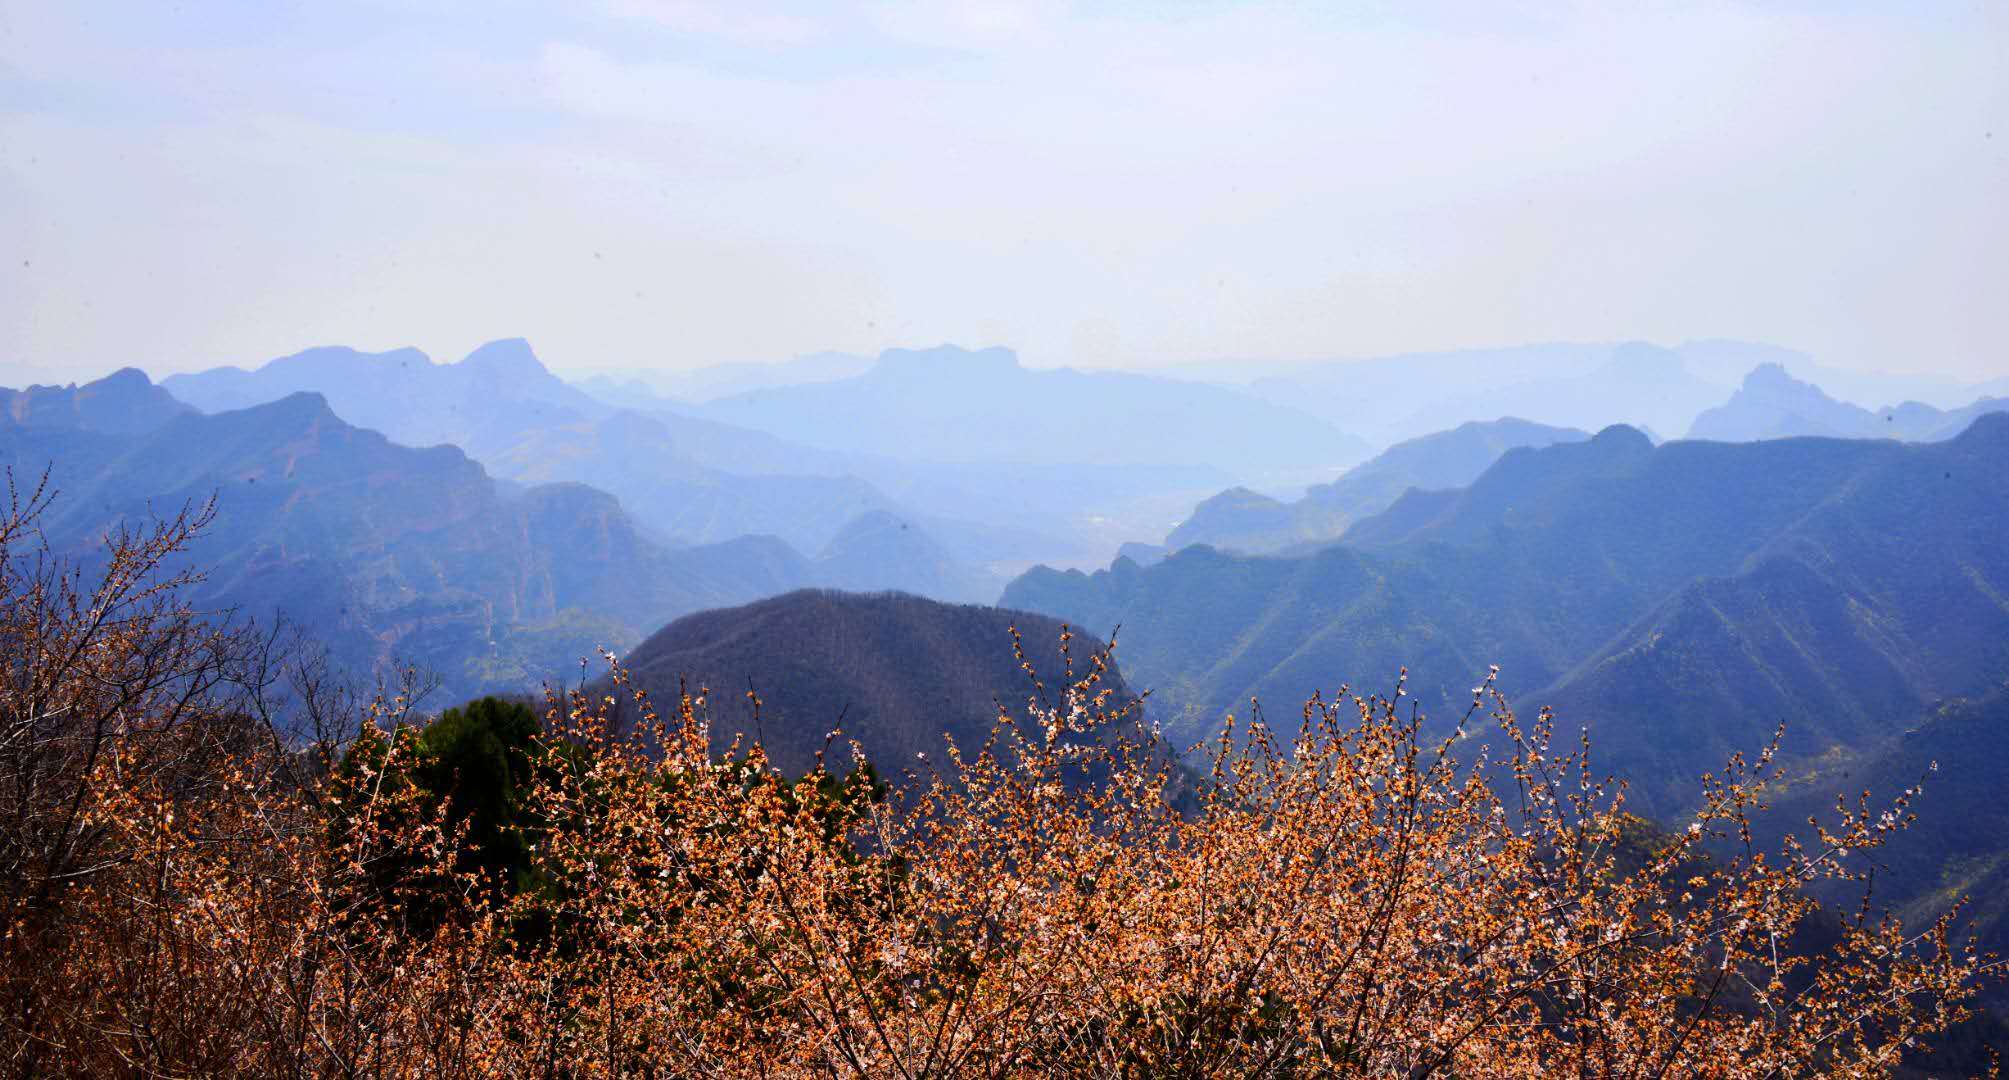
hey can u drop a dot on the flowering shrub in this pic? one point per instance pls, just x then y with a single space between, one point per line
189 893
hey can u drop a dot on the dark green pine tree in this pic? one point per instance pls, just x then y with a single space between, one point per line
478 759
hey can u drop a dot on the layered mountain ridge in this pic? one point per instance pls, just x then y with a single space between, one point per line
388 553
1611 577
1244 520
1771 404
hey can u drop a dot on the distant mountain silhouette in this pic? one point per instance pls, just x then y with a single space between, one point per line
1952 422
882 550
641 459
1142 554
1659 389
383 551
981 406
1007 514
1243 520
693 478
1638 384
1587 386
987 513
124 401
480 404
725 447
1873 388
1240 520
1680 600
1771 404
897 673
527 426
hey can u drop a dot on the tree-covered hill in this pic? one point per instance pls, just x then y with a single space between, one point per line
895 672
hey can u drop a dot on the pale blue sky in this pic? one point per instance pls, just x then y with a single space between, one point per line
668 183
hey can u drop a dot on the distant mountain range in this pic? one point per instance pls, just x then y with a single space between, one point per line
384 551
1586 386
882 550
959 405
389 552
684 477
641 459
1659 389
994 513
1003 467
1243 520
1772 404
1045 484
528 426
1679 599
480 404
124 402
896 673
1769 404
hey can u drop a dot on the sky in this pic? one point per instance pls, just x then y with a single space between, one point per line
669 183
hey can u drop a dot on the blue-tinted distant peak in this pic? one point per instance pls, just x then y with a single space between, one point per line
126 376
506 356
1773 376
306 406
1622 437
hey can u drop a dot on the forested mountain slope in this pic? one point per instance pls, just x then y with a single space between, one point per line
895 672
1680 600
1956 755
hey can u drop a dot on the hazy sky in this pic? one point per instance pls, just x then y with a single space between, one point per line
669 183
